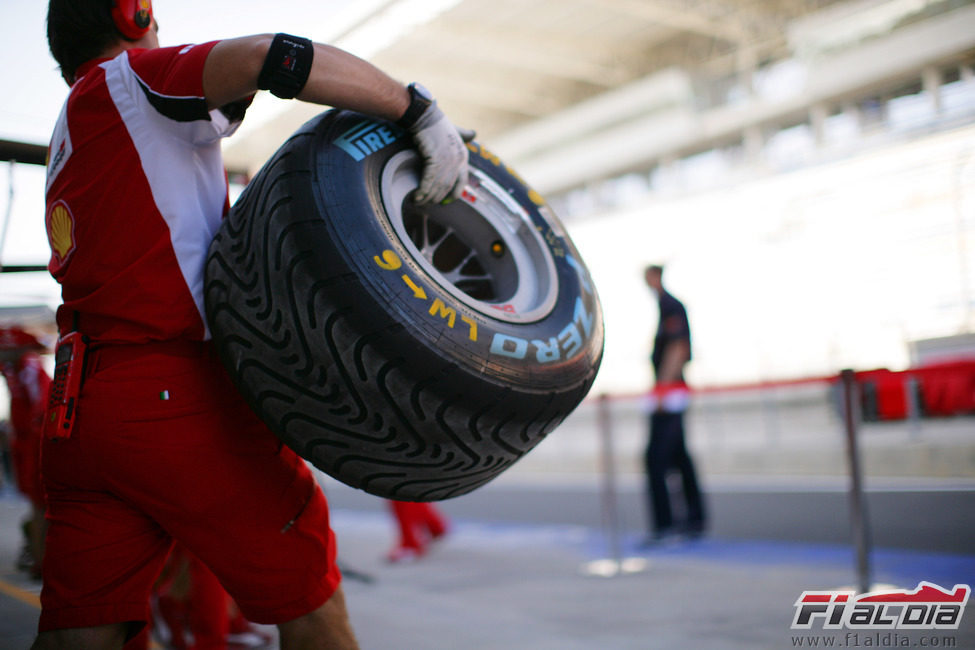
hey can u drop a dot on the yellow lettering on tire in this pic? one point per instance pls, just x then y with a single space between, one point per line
418 291
472 334
390 261
444 311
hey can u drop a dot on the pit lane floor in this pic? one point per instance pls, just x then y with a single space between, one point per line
514 571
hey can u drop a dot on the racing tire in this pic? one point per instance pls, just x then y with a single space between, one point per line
414 352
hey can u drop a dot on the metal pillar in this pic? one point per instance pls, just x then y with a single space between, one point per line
615 564
858 505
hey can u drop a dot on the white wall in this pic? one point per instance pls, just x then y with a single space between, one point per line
831 266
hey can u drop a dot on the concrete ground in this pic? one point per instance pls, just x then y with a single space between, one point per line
501 582
532 563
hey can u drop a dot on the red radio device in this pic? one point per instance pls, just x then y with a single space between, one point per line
62 404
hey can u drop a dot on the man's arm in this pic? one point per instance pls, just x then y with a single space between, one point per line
342 80
676 355
337 78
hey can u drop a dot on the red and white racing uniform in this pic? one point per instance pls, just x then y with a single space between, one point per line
163 446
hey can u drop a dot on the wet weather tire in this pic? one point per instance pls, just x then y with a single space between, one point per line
414 352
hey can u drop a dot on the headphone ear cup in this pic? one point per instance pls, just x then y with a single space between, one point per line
132 17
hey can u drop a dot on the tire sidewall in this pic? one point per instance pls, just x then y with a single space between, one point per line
561 348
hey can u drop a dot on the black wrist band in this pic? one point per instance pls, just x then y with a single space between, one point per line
420 101
287 66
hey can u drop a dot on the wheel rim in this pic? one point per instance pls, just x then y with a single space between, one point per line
483 249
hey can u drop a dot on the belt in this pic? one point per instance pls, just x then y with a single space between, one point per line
106 355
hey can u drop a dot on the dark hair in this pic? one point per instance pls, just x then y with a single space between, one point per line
79 31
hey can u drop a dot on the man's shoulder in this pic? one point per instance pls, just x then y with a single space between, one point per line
670 302
176 59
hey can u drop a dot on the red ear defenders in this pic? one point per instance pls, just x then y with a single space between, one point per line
132 17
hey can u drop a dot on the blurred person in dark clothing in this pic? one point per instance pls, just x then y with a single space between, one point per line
667 450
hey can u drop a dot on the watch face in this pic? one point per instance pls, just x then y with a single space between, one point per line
422 92
420 101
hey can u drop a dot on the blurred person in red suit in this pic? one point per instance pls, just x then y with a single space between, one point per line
28 384
418 524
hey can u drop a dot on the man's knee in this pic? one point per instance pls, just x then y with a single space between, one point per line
326 627
107 637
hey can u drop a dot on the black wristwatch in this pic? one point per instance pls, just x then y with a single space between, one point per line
420 101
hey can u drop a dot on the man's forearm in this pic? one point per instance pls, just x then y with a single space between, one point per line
675 356
342 80
337 78
326 75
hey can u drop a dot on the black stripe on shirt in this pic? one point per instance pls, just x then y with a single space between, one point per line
180 109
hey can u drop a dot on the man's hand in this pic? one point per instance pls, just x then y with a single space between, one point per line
444 157
440 144
676 356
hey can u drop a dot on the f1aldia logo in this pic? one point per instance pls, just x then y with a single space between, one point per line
929 607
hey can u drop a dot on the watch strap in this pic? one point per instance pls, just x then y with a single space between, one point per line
420 101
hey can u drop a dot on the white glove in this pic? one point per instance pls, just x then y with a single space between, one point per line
444 156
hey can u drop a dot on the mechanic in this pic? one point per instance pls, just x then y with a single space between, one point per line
27 384
162 446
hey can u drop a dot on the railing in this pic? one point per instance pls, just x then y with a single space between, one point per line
829 404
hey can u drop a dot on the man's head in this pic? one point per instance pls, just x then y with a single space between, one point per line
81 30
15 343
653 275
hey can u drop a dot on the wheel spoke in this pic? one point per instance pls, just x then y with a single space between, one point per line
429 240
457 272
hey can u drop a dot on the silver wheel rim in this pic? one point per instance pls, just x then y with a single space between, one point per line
483 249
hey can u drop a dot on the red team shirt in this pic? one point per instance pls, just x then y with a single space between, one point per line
130 256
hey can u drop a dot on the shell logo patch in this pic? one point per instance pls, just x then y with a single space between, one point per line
60 232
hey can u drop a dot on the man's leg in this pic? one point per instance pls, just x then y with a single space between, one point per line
103 553
209 604
659 459
326 627
408 524
692 490
103 637
434 521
